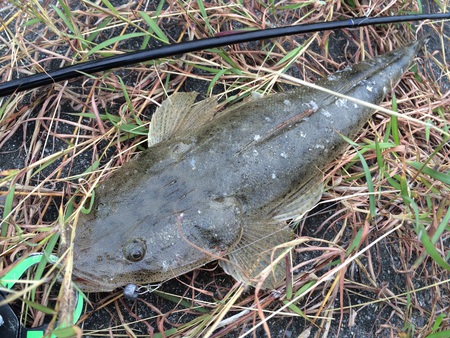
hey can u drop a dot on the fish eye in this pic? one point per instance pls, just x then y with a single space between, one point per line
134 250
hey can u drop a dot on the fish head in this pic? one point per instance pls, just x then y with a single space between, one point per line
113 248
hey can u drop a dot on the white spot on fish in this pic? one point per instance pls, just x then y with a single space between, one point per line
341 103
274 176
320 146
192 163
331 77
312 105
369 88
325 113
199 211
302 134
287 102
256 95
255 152
283 155
268 119
355 105
257 137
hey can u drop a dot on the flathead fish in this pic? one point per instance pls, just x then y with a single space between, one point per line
221 185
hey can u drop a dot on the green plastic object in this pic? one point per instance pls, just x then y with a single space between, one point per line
11 278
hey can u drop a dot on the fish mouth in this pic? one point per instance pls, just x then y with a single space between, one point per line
88 282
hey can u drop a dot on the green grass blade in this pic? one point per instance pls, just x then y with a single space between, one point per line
370 188
431 250
202 8
111 7
87 210
112 41
443 177
154 27
394 122
8 206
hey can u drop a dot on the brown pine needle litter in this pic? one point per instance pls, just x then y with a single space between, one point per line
371 260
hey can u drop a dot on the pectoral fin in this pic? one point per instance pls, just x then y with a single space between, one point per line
260 253
178 113
257 256
295 205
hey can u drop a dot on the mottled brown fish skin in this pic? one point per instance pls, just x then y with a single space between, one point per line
187 200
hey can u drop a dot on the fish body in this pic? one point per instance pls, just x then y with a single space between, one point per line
220 185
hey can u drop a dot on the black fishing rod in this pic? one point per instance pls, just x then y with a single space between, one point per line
126 59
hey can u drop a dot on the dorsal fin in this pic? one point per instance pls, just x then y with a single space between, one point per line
178 113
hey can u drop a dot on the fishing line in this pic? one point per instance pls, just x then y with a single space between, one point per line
126 59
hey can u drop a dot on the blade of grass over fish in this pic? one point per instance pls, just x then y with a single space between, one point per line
158 33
